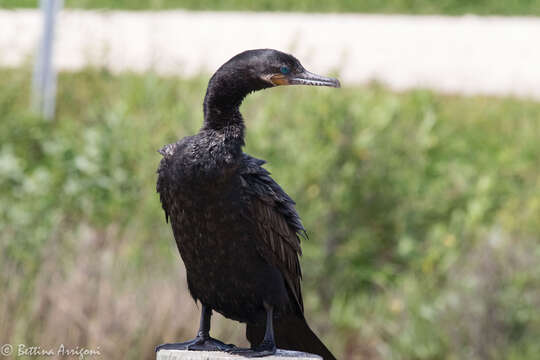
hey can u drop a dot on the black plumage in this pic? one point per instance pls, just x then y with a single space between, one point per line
236 229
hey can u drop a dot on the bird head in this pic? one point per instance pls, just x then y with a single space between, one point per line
278 68
262 68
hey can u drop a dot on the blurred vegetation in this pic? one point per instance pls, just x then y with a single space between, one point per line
451 7
423 213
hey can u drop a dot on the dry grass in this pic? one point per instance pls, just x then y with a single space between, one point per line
90 299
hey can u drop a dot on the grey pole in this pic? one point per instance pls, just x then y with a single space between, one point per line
44 80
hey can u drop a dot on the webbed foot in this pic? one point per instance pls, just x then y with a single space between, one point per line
265 348
198 344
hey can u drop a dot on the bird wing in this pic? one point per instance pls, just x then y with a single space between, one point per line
278 225
161 187
163 180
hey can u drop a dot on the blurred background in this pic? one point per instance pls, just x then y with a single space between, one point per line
418 181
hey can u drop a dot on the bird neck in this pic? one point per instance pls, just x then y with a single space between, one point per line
222 103
222 115
226 91
222 118
219 114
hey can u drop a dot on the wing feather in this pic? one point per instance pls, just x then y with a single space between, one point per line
277 222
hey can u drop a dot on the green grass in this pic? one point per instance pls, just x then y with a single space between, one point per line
423 213
451 7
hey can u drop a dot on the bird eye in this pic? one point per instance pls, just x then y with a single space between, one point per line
284 70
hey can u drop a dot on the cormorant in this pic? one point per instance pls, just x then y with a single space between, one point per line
237 231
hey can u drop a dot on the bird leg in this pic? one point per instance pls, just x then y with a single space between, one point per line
267 345
203 341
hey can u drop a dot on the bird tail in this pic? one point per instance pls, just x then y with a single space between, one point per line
291 333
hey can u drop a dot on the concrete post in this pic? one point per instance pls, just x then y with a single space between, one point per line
217 355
